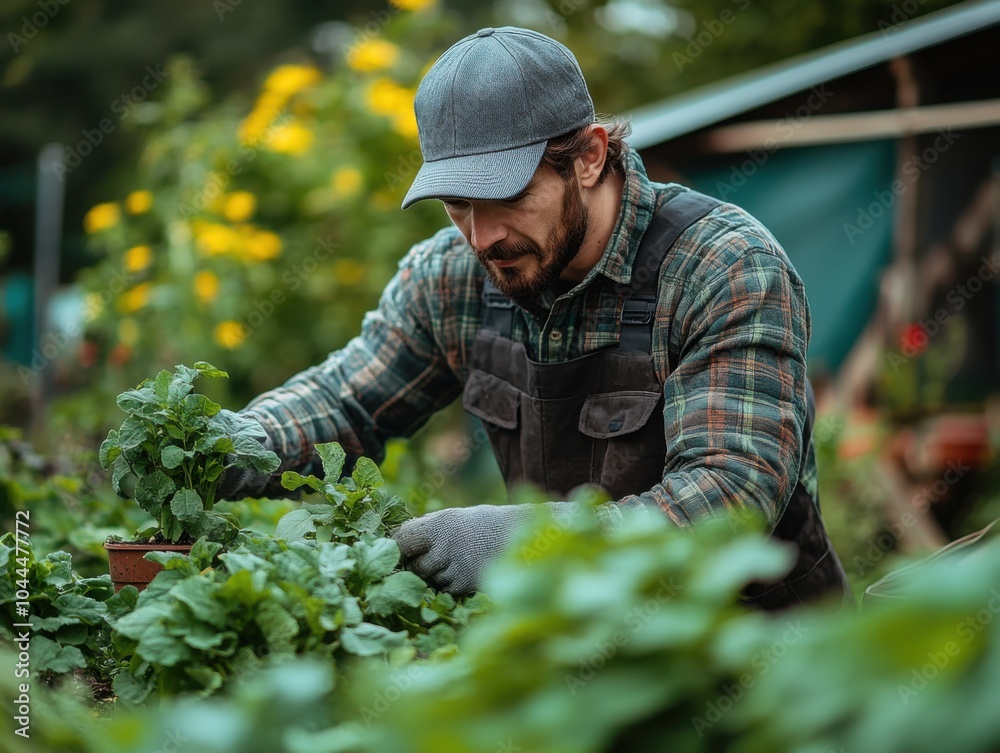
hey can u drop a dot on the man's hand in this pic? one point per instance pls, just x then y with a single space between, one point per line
450 548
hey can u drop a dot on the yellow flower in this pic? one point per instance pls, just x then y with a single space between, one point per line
206 286
385 97
101 217
348 271
260 245
290 138
240 206
346 181
372 55
138 202
291 79
405 123
255 125
229 334
414 5
213 238
128 331
138 258
136 298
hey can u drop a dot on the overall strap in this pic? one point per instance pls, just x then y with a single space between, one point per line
498 315
674 217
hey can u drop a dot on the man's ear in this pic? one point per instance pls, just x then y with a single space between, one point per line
590 164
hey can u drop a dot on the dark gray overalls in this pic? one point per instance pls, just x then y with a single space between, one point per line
599 418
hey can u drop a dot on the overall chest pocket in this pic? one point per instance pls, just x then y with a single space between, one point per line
628 447
497 404
492 400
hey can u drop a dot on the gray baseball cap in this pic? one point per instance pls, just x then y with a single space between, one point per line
486 109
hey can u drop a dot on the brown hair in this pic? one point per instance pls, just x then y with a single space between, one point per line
562 151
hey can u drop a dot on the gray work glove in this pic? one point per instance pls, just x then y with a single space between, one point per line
450 548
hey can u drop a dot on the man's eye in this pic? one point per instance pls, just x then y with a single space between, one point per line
454 203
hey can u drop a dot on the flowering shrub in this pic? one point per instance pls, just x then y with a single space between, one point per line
258 234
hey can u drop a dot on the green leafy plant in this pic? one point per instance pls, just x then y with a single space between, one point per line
65 612
202 621
328 585
172 449
352 506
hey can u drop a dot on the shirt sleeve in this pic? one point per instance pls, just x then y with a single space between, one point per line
385 382
734 403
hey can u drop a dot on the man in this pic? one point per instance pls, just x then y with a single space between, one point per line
605 329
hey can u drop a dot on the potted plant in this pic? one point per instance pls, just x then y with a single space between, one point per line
169 455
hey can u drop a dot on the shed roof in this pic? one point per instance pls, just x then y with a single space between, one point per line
684 113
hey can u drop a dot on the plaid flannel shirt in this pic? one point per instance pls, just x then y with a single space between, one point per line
729 346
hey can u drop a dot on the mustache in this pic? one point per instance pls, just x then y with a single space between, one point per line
508 251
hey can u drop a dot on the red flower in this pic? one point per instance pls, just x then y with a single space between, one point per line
914 340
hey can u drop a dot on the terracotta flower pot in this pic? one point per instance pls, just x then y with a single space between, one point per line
127 566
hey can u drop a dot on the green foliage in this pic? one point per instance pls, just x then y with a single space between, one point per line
65 612
354 505
68 501
632 642
172 449
198 627
588 638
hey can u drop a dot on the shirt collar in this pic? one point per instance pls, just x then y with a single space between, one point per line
634 214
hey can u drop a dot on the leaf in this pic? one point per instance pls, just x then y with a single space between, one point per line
49 656
333 457
130 688
181 384
132 433
121 603
161 384
250 453
173 561
51 624
186 504
198 595
119 472
203 552
72 635
152 491
215 439
172 456
56 569
132 401
366 474
277 625
295 525
402 589
208 678
199 405
335 560
438 637
368 640
369 522
204 637
75 606
110 449
208 370
157 645
292 481
376 558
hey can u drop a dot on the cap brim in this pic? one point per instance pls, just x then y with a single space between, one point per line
494 175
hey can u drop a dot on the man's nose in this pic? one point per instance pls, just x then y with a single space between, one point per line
485 227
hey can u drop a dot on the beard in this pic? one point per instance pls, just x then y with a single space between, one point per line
561 246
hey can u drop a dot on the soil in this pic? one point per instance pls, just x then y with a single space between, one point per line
186 539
